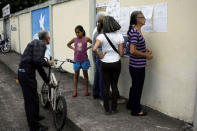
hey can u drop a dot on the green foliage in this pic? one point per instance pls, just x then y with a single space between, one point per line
17 5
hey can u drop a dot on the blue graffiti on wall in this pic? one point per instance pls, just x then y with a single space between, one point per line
41 21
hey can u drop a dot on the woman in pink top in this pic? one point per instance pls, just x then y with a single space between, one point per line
80 57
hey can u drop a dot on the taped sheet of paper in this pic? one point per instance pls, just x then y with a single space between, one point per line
124 18
156 16
101 5
148 13
113 9
160 17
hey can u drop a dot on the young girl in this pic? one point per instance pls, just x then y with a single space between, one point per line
80 57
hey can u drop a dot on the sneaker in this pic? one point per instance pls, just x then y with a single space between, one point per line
121 101
128 106
114 112
102 104
107 113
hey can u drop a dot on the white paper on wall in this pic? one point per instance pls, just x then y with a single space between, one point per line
160 17
148 13
156 16
113 9
124 18
101 5
125 13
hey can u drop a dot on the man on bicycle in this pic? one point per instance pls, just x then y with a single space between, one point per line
32 60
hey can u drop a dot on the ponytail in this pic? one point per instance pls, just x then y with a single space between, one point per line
130 27
84 33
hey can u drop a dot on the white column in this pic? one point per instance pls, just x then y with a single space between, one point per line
92 21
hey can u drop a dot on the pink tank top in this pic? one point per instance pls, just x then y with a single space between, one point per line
80 53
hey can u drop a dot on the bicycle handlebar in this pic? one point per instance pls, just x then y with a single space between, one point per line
67 60
71 61
56 60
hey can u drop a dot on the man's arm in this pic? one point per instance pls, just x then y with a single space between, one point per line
43 74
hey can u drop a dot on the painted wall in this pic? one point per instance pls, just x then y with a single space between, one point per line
25 30
15 33
41 21
171 76
63 27
66 17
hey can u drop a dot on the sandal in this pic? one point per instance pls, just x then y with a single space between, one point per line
87 94
139 114
74 95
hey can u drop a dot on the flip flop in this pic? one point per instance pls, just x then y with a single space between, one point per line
74 95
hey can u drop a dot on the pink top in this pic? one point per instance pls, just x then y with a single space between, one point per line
80 51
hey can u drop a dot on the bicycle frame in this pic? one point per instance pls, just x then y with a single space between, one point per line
51 96
53 91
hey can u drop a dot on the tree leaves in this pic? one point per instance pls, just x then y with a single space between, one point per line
17 5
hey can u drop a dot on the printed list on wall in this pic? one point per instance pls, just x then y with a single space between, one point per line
156 15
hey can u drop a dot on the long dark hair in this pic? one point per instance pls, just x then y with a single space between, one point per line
80 28
133 20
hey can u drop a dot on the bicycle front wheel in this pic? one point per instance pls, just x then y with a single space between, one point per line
5 48
44 96
60 113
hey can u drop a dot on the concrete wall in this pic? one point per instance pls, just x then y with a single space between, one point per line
25 30
171 76
66 17
15 33
170 83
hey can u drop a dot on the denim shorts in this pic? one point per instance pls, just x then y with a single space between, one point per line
81 65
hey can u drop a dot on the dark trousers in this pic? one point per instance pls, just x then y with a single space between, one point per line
137 76
98 81
110 73
31 99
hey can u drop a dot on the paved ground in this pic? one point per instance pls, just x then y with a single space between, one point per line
12 115
86 113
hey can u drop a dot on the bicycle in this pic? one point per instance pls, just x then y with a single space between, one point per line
51 97
5 45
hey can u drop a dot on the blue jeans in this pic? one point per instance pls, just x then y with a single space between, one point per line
98 81
81 65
